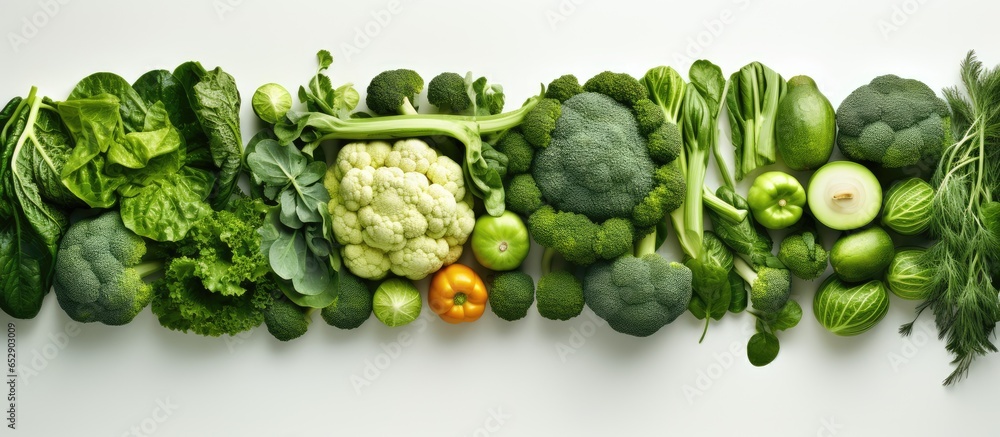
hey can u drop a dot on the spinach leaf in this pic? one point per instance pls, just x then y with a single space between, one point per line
21 151
132 107
167 208
95 123
162 86
216 103
762 348
25 268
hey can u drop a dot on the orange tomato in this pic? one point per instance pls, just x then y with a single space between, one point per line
457 294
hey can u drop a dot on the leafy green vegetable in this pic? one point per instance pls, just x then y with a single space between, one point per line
296 234
271 102
908 206
168 206
763 346
320 96
754 93
216 102
131 106
217 281
963 297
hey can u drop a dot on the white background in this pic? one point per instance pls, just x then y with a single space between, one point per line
492 377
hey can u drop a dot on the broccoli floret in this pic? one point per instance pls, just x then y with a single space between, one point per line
572 235
99 271
804 256
540 122
770 287
893 122
621 87
511 294
523 195
563 88
394 92
559 295
447 91
665 143
519 152
614 238
650 118
352 306
286 320
638 296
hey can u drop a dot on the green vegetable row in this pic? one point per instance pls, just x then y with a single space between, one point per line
123 195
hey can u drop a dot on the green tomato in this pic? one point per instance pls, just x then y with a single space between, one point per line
500 243
776 199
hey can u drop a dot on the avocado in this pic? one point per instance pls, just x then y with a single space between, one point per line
805 125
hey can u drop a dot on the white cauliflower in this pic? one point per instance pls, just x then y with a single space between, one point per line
400 208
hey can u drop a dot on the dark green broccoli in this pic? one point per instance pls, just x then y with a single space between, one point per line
563 88
770 287
447 91
99 271
803 254
523 195
454 94
511 294
559 295
286 320
638 295
894 122
394 92
594 163
519 152
352 306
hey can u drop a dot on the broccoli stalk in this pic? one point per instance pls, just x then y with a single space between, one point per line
485 180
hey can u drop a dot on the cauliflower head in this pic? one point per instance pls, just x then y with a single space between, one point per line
401 208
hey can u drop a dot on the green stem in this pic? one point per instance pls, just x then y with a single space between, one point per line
148 268
708 319
547 259
647 245
723 208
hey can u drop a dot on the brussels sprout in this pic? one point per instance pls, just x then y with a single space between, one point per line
271 101
850 309
907 277
908 206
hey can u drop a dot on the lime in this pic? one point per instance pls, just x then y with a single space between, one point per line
397 302
862 255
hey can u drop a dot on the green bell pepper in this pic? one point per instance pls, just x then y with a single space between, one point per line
776 199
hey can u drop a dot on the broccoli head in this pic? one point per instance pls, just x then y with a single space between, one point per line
352 306
770 287
559 295
286 320
447 91
99 271
523 195
894 122
394 92
803 254
511 294
603 152
638 296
